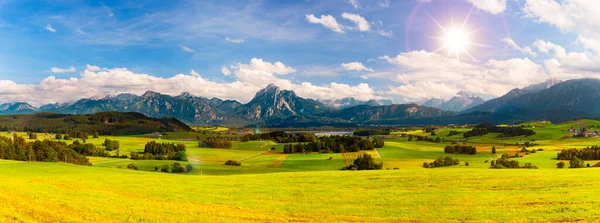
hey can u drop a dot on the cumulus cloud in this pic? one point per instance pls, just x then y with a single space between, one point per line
361 23
234 40
491 6
63 70
92 67
356 66
326 20
527 50
194 73
225 71
566 65
249 78
422 74
186 49
577 16
49 28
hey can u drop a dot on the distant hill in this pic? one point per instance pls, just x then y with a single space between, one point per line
495 104
105 123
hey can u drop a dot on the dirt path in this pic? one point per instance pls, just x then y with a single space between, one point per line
258 154
278 161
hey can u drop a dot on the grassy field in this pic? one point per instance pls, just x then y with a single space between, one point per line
56 192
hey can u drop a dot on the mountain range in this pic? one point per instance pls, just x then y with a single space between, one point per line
272 106
461 101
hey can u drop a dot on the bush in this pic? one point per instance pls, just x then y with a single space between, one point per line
177 168
132 166
466 163
155 168
443 161
576 163
233 163
273 148
188 167
425 164
164 169
364 162
560 165
58 136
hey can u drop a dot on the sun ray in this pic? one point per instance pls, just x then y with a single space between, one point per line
466 18
436 22
441 48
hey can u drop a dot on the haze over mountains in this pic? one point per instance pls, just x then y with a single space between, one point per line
273 106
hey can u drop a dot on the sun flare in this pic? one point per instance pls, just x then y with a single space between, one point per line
456 40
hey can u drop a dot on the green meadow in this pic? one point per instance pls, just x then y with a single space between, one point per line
271 186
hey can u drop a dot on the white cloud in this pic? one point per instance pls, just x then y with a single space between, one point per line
568 65
225 71
92 67
186 49
424 74
361 23
234 40
63 70
354 3
491 6
385 33
356 66
195 74
249 78
527 50
579 16
49 28
326 20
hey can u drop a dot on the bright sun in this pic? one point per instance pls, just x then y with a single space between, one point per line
457 39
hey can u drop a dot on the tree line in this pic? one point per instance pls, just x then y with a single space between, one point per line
485 128
102 123
215 142
161 151
588 153
17 148
336 144
442 162
460 149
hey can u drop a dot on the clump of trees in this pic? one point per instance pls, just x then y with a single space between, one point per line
111 145
283 137
485 128
364 162
371 132
162 151
132 166
441 162
336 144
506 163
58 136
177 168
576 163
588 153
88 149
378 143
233 163
214 142
17 148
32 135
453 132
560 165
460 149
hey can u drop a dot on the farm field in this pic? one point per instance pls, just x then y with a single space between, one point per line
46 191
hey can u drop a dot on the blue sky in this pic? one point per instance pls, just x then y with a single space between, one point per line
60 51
